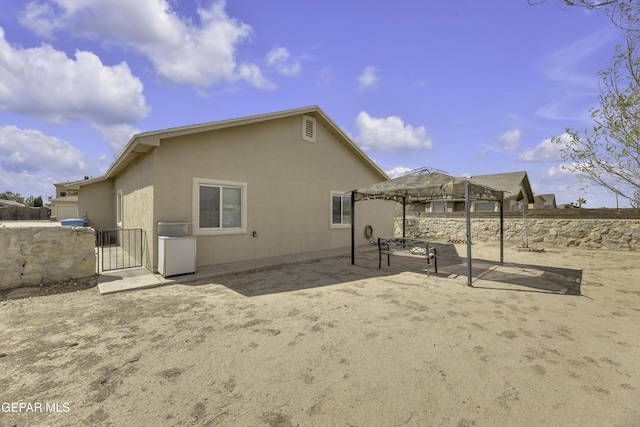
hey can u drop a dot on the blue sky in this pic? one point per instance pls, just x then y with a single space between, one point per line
468 87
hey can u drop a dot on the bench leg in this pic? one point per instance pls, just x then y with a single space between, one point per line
379 259
388 263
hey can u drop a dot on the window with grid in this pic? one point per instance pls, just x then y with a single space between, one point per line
340 209
220 206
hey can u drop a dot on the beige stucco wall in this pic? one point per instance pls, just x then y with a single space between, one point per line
289 183
137 187
33 256
96 201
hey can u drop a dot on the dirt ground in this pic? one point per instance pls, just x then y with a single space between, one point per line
549 339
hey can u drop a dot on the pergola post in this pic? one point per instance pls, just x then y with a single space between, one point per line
404 217
501 228
467 205
353 227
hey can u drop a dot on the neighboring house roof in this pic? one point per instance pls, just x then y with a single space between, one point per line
65 199
143 143
4 202
75 185
419 187
547 200
514 184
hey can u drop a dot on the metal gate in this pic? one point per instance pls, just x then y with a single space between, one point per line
120 248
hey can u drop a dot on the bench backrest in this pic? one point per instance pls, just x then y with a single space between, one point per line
415 246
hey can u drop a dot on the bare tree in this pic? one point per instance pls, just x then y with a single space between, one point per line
608 153
621 12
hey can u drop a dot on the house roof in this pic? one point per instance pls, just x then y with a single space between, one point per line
143 143
5 202
547 198
512 183
75 185
419 187
65 199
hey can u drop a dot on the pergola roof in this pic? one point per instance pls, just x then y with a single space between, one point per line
420 187
424 185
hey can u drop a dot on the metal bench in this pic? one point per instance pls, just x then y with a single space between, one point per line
405 247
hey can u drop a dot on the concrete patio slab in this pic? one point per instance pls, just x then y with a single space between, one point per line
141 278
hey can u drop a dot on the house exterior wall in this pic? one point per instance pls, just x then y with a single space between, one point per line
62 210
288 184
95 202
136 186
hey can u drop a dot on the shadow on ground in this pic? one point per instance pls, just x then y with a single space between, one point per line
487 274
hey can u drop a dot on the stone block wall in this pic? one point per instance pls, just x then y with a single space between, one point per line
617 234
33 256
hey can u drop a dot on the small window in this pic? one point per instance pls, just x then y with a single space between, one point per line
437 206
484 207
119 208
340 210
309 128
219 207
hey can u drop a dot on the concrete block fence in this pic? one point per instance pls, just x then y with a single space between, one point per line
33 256
614 234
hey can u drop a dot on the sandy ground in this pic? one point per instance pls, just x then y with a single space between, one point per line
550 339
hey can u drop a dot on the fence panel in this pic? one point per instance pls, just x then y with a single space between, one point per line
120 248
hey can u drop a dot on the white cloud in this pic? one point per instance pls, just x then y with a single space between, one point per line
200 52
368 78
251 74
278 57
26 184
390 134
568 187
31 151
326 76
546 151
397 171
564 64
571 72
568 106
45 83
116 136
510 140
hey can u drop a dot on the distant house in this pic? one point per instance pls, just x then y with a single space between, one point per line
253 187
10 203
544 201
518 195
65 204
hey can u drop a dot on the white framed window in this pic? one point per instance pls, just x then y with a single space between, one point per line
219 207
119 208
340 209
308 128
438 206
484 207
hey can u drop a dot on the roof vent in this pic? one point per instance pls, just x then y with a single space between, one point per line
309 128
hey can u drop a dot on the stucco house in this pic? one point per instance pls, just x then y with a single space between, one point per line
544 201
517 188
518 195
252 187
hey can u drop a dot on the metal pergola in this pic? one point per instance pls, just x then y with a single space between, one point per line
424 186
